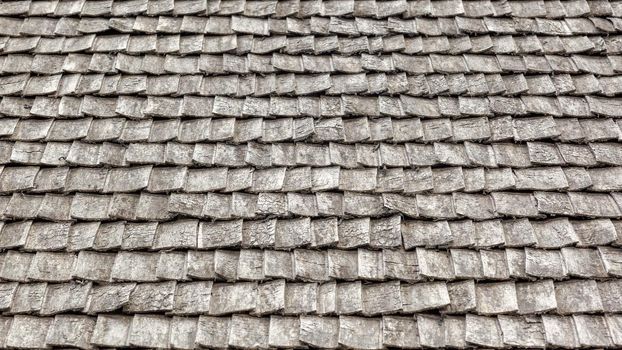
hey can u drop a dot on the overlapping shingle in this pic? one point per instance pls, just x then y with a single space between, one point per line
333 174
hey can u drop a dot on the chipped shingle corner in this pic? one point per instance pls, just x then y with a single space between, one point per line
310 174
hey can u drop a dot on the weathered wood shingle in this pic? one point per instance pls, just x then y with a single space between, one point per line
327 174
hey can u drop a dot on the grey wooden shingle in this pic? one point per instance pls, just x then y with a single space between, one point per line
28 298
111 330
151 297
483 331
231 298
69 330
134 266
359 174
424 296
571 298
29 331
149 330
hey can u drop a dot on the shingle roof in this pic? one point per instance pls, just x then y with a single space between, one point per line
310 173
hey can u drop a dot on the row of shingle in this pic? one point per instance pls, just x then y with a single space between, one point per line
290 84
292 298
320 23
325 106
260 155
32 179
287 232
321 130
289 154
146 206
241 331
269 8
301 264
302 179
498 204
302 85
328 25
377 233
200 7
289 129
266 8
304 9
318 45
278 62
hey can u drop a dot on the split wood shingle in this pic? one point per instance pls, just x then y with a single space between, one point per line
325 174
